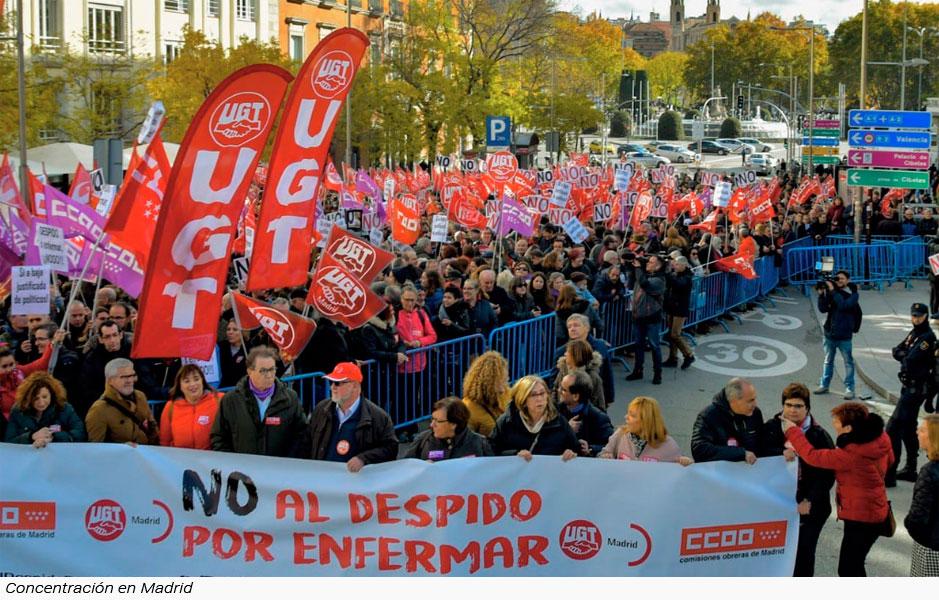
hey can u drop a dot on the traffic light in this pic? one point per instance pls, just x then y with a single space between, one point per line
740 103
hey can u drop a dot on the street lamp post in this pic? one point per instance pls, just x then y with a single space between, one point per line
903 66
811 119
712 69
348 99
21 98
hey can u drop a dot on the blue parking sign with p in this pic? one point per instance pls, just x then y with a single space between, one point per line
498 131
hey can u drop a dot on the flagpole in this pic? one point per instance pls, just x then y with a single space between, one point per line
234 309
94 303
74 291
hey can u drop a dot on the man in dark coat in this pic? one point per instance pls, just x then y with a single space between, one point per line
483 318
261 415
729 428
501 303
349 428
813 493
112 344
839 300
591 425
677 306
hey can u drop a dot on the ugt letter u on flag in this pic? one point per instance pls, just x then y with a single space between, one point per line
181 299
299 159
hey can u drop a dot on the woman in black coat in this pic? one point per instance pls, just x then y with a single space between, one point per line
532 424
922 520
453 318
524 304
379 339
41 415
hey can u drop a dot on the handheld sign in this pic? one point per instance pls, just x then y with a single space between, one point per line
576 230
562 191
439 228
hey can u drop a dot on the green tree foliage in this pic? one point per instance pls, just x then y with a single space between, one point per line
666 76
885 35
620 124
730 127
670 126
201 65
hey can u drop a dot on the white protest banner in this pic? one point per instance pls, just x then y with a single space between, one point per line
51 243
575 230
240 265
709 179
745 178
152 123
659 208
468 164
211 368
539 204
324 225
106 199
192 512
589 181
443 162
622 175
722 193
439 228
602 212
30 290
560 216
934 264
389 191
562 191
545 176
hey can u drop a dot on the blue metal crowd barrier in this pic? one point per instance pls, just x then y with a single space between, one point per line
618 330
409 397
911 258
805 242
707 298
768 273
528 346
867 263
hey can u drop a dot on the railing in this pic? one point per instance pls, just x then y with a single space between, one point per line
874 263
527 345
707 298
911 258
618 327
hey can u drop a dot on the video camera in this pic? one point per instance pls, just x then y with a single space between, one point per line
825 269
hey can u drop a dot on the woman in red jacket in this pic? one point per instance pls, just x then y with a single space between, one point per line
187 418
860 460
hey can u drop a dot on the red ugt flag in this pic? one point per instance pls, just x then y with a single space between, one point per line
181 301
290 332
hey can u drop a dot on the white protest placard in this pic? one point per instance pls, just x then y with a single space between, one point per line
30 290
375 236
97 180
562 191
934 263
241 270
722 193
152 123
210 368
324 227
106 199
576 230
51 243
602 212
709 179
745 178
389 191
438 230
468 164
621 177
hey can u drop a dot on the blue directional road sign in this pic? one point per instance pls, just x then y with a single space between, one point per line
498 131
895 119
820 141
866 138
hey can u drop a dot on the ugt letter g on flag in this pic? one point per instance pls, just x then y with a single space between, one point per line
312 110
181 299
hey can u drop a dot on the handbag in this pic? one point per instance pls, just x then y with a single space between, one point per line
889 525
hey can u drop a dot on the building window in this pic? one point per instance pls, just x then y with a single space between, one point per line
374 49
49 34
180 6
214 7
171 51
105 28
244 9
325 29
296 47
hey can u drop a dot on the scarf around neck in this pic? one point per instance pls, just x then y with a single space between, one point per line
259 393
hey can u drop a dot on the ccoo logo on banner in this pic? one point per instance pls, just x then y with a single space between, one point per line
208 513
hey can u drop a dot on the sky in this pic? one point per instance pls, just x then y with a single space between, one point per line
826 12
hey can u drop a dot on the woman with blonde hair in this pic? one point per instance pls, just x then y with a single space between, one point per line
486 391
922 520
644 437
674 241
532 424
41 415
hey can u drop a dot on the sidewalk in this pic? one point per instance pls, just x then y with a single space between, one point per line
886 322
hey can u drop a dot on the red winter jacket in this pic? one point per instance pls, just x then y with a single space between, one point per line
413 326
859 462
13 379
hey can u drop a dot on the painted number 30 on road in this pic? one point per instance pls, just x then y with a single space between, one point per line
748 356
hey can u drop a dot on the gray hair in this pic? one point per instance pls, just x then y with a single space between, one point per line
582 319
735 388
115 365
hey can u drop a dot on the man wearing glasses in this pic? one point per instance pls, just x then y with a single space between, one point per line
262 414
350 429
121 414
839 299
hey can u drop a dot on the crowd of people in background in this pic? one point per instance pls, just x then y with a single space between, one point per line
79 383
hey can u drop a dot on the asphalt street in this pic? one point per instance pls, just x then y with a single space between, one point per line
772 346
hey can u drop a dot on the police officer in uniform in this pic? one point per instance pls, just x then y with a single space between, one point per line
917 355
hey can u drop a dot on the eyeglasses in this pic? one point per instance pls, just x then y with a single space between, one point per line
268 371
339 383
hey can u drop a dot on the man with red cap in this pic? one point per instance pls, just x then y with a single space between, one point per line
350 428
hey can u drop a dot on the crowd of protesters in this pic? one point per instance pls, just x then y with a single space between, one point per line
79 383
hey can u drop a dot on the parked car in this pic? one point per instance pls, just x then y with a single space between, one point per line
760 146
712 147
678 154
627 148
761 162
647 159
736 146
596 147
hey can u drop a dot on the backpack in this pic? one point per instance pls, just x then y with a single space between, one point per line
858 316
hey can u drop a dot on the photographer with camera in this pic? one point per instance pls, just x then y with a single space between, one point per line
916 354
838 298
647 302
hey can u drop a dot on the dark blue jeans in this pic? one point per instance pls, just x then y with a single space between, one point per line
652 332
